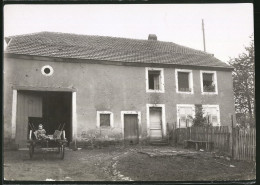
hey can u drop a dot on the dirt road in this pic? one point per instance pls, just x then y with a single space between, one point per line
82 165
124 164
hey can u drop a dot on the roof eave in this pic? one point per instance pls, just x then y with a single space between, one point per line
77 60
7 40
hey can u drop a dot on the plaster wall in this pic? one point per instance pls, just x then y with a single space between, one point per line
113 88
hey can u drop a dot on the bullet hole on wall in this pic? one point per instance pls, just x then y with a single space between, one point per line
26 75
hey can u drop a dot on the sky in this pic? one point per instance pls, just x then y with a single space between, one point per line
227 26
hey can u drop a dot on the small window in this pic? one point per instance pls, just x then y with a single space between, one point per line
208 85
47 70
208 82
105 120
154 80
185 114
184 82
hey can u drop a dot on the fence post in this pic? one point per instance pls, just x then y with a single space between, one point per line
232 138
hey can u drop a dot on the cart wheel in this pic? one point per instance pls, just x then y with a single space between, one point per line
62 152
31 150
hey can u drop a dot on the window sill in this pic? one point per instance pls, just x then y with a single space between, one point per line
105 127
209 93
154 91
183 92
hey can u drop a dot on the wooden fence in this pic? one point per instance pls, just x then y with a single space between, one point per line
244 144
240 143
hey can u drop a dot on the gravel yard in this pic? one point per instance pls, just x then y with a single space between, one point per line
147 163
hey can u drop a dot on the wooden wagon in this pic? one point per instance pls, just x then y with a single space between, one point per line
55 142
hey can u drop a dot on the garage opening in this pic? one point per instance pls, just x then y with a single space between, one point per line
49 108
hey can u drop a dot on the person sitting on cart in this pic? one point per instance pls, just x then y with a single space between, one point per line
41 133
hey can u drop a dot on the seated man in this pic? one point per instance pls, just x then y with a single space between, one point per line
41 133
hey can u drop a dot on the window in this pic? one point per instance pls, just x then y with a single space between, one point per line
154 80
47 70
104 119
208 82
184 81
185 114
212 114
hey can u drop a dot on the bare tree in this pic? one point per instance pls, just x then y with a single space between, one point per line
244 82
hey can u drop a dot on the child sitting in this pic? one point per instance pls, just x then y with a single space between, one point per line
41 133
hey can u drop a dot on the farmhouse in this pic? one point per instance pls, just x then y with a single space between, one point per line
109 89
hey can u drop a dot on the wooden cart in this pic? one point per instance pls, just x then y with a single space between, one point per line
53 143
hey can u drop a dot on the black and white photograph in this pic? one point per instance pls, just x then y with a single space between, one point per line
129 92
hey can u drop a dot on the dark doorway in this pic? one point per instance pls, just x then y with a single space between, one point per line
131 131
57 110
43 107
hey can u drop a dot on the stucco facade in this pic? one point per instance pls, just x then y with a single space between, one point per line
115 87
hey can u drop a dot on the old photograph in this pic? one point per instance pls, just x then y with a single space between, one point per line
129 92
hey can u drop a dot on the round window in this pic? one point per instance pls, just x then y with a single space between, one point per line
47 70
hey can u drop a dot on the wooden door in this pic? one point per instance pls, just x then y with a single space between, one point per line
29 104
155 123
131 131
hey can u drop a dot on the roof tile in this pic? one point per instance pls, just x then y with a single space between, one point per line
67 45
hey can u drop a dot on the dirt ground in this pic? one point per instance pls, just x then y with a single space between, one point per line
147 163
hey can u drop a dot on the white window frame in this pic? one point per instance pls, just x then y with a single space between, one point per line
138 113
111 118
190 80
178 106
148 117
214 82
161 90
45 67
212 106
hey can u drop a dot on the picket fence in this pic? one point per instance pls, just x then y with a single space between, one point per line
244 147
240 143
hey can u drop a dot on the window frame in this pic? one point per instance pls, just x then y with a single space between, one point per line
178 106
111 119
212 106
190 81
214 82
161 80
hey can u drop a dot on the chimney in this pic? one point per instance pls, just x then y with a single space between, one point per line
152 37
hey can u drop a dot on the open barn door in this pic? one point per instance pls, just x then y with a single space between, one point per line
29 104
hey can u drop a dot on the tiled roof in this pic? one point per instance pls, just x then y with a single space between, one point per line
75 46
